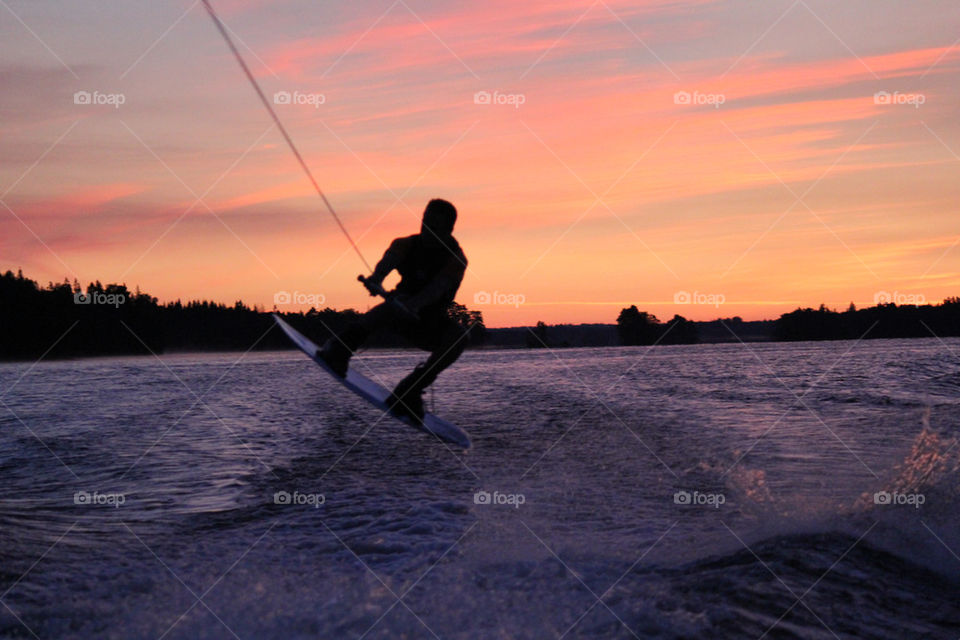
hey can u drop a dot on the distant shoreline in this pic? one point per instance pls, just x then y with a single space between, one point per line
67 321
411 349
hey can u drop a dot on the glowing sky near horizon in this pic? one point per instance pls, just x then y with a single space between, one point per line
600 190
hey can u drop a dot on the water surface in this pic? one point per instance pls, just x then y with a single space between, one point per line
672 492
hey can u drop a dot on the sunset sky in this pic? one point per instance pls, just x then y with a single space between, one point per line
783 181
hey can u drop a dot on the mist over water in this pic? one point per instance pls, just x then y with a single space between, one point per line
787 490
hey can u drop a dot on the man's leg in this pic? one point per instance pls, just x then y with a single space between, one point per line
448 340
336 351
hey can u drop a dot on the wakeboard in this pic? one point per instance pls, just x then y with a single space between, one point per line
375 394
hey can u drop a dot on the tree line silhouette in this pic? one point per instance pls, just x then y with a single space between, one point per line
65 320
637 327
889 320
882 321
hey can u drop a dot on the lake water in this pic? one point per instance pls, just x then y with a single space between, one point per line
805 490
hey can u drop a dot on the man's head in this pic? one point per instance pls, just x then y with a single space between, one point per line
438 219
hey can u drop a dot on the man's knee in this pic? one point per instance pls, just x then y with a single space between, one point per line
375 317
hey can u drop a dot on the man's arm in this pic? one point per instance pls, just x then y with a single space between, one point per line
391 259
